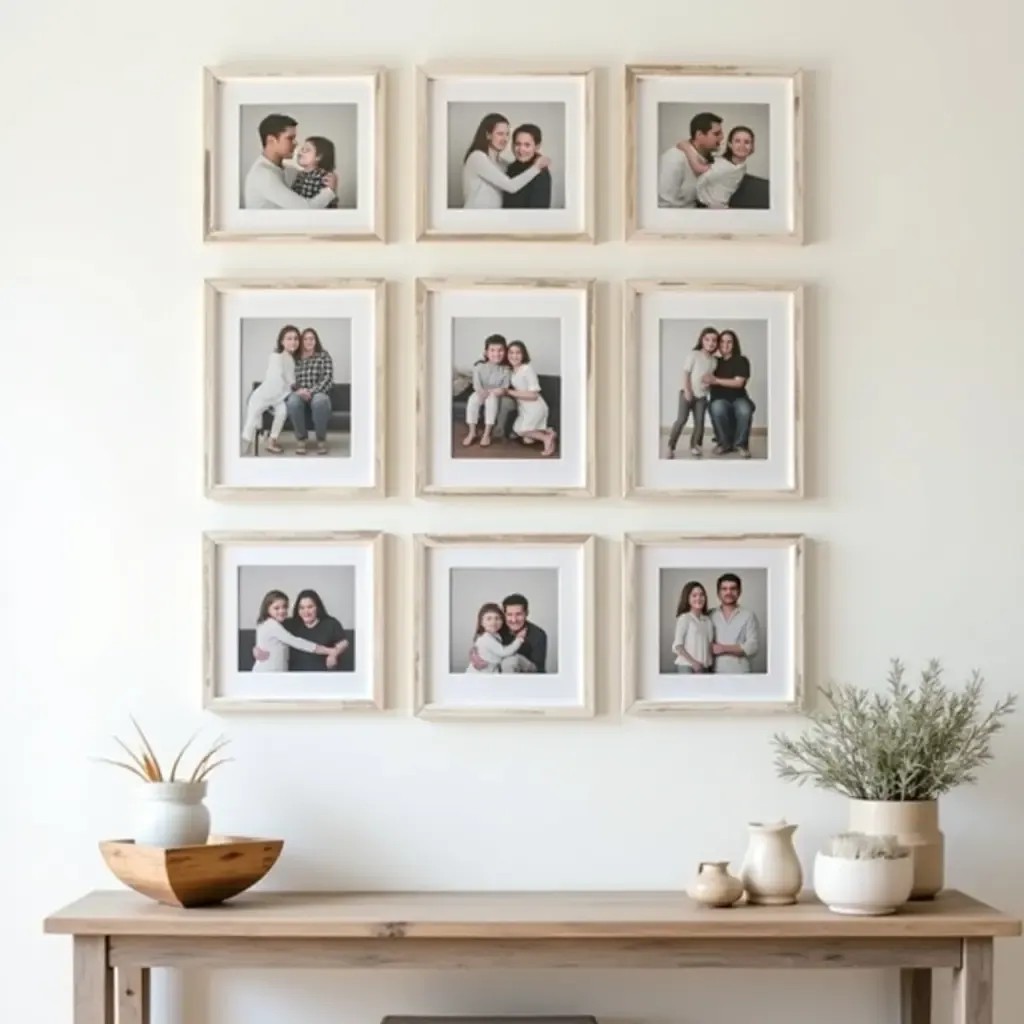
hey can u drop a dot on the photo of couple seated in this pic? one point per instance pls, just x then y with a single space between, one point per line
692 174
725 640
505 394
493 165
280 173
505 641
712 379
307 633
291 380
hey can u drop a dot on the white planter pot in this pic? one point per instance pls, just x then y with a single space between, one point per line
863 887
172 814
915 824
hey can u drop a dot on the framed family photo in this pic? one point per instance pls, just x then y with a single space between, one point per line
713 624
506 387
714 152
294 153
506 153
294 377
293 622
505 626
712 375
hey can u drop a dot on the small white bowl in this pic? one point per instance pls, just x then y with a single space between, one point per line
867 888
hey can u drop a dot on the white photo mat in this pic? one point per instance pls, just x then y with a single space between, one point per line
647 688
439 89
229 91
228 689
647 473
783 219
569 473
230 473
443 693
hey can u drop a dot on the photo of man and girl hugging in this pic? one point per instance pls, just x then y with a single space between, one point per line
288 175
714 381
504 380
725 640
505 640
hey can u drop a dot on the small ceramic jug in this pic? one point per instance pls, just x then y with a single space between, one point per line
714 886
771 872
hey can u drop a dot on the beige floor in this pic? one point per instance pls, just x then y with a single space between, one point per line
339 446
758 447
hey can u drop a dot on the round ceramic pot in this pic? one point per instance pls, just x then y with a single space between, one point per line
714 886
915 824
172 814
863 887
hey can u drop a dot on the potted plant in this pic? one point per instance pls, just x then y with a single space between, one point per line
894 754
865 875
171 811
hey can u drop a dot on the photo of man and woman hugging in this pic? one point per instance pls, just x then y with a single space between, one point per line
724 640
714 381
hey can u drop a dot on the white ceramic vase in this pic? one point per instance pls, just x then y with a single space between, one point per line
915 824
172 814
771 872
868 887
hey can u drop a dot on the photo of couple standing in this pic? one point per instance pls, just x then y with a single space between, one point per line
726 639
290 378
280 172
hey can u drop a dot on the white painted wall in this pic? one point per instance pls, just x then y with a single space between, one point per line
914 514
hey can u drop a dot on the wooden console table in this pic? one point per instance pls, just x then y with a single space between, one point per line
126 933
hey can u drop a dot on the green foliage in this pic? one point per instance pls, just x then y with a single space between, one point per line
898 745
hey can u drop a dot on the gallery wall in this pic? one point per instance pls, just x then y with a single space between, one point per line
913 522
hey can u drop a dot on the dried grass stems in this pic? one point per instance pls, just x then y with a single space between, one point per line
145 764
895 746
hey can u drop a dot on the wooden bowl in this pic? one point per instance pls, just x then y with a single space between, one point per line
192 876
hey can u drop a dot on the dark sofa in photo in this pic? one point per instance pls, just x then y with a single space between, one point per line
550 390
247 641
340 421
754 193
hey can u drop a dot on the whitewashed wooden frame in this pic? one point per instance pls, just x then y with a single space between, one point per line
214 162
710 226
424 706
213 450
426 484
450 70
789 413
791 553
372 640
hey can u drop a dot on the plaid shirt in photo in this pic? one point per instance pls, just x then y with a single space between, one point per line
309 184
315 373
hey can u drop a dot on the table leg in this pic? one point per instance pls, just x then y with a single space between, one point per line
972 983
915 995
94 981
133 995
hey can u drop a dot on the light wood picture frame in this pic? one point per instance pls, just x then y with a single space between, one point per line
667 453
549 324
546 595
740 179
337 579
553 104
256 118
761 576
245 321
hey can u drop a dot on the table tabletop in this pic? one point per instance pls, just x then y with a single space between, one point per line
517 915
